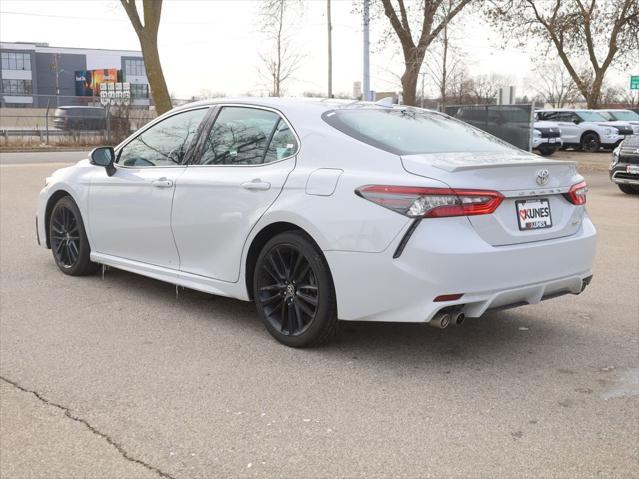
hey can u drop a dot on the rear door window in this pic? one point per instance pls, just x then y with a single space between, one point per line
283 144
241 136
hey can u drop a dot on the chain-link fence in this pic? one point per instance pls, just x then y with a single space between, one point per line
69 121
511 123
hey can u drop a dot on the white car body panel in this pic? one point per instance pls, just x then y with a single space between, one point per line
517 173
130 214
200 235
215 208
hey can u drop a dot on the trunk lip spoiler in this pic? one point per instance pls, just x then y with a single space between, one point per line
434 160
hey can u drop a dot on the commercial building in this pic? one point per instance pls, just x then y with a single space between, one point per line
38 75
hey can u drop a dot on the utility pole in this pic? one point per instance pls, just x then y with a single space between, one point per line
366 88
56 65
330 49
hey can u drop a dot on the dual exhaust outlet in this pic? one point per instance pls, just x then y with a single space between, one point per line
444 318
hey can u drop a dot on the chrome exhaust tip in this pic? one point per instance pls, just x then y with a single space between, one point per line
458 318
441 320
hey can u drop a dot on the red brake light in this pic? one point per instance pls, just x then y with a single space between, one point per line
418 202
577 193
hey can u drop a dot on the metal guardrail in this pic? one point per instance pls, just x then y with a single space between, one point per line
32 122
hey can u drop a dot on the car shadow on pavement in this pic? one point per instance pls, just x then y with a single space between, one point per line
506 336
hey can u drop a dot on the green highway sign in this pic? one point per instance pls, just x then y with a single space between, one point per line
634 82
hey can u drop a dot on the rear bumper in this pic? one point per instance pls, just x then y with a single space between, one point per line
446 256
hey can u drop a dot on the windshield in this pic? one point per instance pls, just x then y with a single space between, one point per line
591 116
608 116
410 131
624 115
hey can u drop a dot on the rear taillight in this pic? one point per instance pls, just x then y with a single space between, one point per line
417 202
577 193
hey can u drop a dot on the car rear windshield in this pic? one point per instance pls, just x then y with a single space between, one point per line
409 131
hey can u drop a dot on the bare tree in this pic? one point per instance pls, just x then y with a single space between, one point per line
553 84
279 64
444 61
424 16
591 32
484 88
459 86
148 36
618 96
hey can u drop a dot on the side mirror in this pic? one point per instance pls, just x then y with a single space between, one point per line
103 156
576 121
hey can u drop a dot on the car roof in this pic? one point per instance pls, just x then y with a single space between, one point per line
300 105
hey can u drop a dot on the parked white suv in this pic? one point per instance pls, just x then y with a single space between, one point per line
546 137
586 129
628 116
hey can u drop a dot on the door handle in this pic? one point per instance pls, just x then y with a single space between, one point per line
162 183
256 184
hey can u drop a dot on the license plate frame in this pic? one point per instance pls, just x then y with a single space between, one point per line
543 222
632 169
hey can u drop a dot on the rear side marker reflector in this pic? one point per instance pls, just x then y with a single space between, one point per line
447 297
418 202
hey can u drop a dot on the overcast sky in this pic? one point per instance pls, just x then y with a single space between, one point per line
215 45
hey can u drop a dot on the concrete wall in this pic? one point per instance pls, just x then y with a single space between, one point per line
25 117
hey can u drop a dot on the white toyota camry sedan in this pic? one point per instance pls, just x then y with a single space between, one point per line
319 211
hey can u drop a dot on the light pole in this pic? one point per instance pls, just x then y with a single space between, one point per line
366 83
56 66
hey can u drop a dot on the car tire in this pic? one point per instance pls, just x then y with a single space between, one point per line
546 151
590 143
68 239
293 291
629 189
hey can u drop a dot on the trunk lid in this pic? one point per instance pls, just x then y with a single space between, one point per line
515 176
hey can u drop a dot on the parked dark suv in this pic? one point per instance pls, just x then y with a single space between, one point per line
624 168
75 118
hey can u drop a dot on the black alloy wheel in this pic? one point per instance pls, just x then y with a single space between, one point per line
546 150
590 143
293 291
68 239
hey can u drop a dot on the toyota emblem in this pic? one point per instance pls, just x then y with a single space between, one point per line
542 177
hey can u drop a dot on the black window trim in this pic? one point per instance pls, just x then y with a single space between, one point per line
210 122
189 152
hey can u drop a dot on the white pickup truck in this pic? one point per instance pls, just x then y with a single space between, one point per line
586 129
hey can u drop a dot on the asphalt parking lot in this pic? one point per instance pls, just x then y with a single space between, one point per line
117 377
